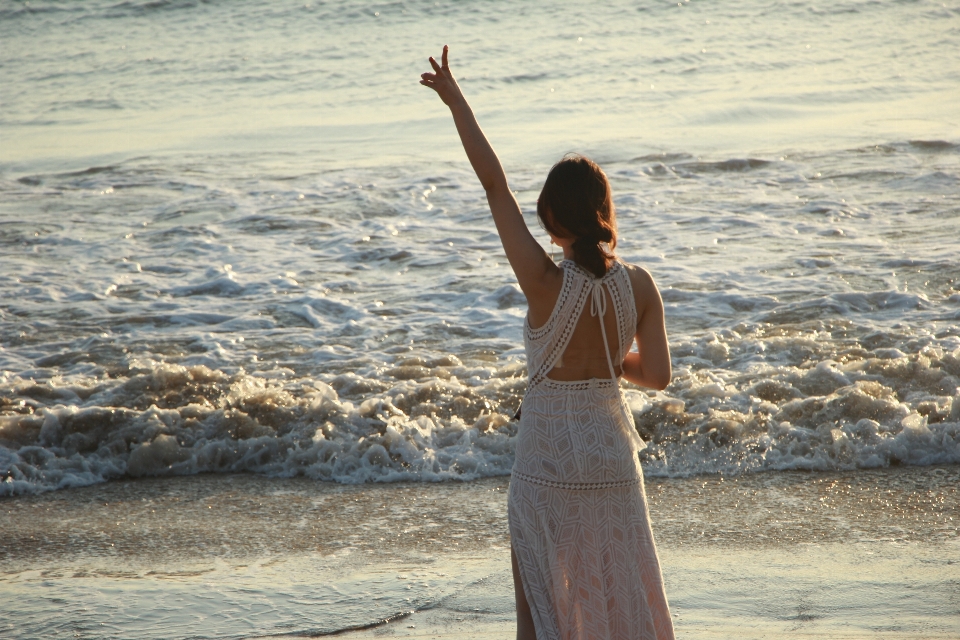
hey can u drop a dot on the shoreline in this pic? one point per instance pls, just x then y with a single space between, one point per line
841 555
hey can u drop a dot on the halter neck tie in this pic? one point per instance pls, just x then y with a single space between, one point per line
598 307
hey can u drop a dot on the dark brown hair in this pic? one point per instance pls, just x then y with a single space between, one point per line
576 203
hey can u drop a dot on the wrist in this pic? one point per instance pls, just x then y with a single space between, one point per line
458 104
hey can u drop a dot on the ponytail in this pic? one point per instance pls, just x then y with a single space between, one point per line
592 256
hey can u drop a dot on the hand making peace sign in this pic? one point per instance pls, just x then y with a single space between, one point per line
442 81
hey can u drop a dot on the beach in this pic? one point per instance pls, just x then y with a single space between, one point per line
840 555
260 345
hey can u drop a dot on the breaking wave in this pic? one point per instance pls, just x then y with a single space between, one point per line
758 400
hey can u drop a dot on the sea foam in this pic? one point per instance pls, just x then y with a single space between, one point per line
728 411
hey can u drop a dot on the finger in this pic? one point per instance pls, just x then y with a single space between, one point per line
430 85
444 56
433 63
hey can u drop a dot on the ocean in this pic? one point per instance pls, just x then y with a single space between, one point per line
239 237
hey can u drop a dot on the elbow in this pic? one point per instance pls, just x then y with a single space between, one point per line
494 187
657 382
662 380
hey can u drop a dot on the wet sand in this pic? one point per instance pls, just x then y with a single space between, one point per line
858 555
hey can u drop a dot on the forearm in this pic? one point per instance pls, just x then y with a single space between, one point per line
651 377
526 257
481 155
632 369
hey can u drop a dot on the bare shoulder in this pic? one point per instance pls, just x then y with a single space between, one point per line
543 295
643 285
646 296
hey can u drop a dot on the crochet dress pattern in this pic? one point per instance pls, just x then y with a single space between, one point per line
577 510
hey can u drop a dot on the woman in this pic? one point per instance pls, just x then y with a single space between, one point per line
584 560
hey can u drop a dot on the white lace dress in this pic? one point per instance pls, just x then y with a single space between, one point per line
578 514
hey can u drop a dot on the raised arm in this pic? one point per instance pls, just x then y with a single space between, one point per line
529 261
651 366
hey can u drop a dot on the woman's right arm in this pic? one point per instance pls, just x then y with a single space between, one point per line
650 367
535 271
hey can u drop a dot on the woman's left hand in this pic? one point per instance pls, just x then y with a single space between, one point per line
442 81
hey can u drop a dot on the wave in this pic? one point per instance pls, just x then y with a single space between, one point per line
176 420
761 400
934 145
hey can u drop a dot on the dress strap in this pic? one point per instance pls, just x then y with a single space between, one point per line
586 289
598 307
568 312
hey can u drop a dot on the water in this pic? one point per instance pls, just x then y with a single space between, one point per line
793 554
241 237
233 556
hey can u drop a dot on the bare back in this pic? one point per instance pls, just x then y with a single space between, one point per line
573 344
584 356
